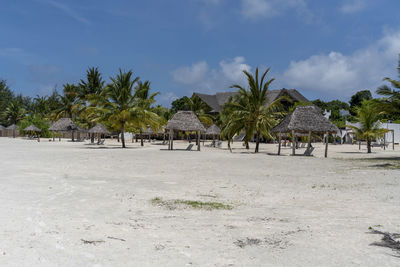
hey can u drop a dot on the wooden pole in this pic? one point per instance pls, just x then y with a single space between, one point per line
279 144
393 139
309 140
198 140
384 141
326 145
293 143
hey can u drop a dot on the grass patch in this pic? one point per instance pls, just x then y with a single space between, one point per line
194 204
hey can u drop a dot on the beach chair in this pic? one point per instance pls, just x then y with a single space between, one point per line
308 151
189 147
101 142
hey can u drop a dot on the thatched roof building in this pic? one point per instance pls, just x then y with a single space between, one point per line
32 128
213 130
2 128
185 121
305 119
99 129
63 125
12 127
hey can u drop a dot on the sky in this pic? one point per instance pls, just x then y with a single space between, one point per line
325 49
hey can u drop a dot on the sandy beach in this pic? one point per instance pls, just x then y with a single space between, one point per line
75 204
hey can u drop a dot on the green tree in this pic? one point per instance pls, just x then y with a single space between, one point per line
67 102
14 113
6 96
118 105
357 99
180 104
201 109
250 110
368 115
390 102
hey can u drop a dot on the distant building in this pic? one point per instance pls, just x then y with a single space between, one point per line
215 102
344 113
348 136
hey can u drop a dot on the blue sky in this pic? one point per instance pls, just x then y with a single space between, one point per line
326 49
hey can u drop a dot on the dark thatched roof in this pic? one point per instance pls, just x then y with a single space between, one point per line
32 128
213 130
185 121
99 129
2 128
304 119
12 127
63 125
215 102
149 130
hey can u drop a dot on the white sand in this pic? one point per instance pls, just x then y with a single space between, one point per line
303 211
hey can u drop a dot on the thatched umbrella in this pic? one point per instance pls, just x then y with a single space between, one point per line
213 130
64 125
184 121
99 129
305 119
12 128
33 129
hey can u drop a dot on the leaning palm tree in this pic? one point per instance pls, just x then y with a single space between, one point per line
201 109
368 117
117 104
250 110
67 102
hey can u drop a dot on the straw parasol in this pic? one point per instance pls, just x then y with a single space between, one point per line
305 119
213 130
12 128
64 125
184 121
32 128
99 129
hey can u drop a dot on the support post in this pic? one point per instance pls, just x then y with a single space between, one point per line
326 144
198 140
293 143
279 143
393 139
309 140
384 141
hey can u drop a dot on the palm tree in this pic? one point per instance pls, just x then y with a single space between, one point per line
391 100
250 110
368 117
14 112
144 100
118 105
86 91
68 100
201 109
41 106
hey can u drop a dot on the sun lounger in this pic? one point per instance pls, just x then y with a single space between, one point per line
101 142
189 147
308 151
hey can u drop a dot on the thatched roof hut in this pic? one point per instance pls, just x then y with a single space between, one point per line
32 128
184 121
213 130
63 125
305 119
99 129
12 127
2 128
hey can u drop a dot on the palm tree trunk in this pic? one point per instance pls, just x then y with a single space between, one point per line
141 138
73 136
229 145
246 142
122 134
369 144
257 142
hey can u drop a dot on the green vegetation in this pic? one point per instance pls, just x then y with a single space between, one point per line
175 203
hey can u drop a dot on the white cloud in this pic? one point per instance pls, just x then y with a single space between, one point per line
67 10
352 6
339 75
255 9
192 74
200 77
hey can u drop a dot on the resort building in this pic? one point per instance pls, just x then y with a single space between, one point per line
216 101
